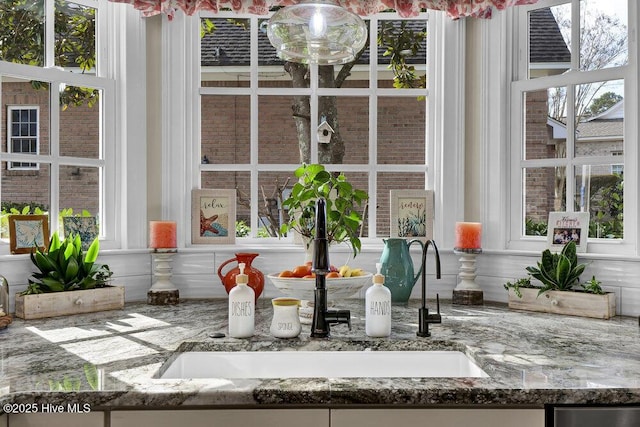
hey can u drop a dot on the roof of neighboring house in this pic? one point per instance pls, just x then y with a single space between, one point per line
229 44
546 43
606 125
601 129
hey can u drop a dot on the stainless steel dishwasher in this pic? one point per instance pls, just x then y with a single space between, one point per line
593 416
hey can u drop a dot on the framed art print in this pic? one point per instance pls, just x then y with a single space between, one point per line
411 214
213 216
565 227
28 231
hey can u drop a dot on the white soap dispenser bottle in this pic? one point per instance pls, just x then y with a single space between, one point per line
241 307
378 307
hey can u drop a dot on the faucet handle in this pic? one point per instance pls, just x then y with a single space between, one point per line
338 316
424 319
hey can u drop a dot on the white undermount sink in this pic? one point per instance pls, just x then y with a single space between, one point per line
321 364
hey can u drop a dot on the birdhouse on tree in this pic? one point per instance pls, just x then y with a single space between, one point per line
324 132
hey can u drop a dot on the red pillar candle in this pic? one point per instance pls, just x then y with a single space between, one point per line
162 234
468 235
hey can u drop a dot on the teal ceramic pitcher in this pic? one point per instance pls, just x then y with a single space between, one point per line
397 267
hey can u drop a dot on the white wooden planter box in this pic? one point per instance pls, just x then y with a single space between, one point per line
38 306
562 302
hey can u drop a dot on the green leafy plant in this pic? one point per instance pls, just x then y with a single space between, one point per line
242 229
64 267
343 201
518 284
593 286
558 271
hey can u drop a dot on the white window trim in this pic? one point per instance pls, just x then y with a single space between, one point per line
515 19
181 135
10 137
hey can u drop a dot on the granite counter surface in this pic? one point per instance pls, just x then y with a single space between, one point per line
531 359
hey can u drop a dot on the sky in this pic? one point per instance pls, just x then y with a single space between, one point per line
613 7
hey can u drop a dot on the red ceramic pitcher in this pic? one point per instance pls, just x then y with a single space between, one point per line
256 278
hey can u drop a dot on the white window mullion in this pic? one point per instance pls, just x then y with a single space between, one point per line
49 34
570 184
54 150
255 128
373 128
313 110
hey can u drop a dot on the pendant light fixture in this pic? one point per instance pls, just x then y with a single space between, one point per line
317 32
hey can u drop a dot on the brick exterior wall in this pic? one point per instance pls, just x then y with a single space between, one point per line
225 139
79 137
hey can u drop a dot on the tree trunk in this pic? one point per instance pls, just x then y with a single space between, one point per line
333 152
301 109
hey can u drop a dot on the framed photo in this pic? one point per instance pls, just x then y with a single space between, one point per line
565 227
84 226
27 231
213 216
412 214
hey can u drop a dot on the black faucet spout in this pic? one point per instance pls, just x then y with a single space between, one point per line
424 318
322 317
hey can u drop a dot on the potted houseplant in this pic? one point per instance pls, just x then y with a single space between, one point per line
560 290
64 267
344 220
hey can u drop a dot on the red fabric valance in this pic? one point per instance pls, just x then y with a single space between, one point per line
405 8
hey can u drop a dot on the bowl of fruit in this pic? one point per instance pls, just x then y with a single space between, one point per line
340 282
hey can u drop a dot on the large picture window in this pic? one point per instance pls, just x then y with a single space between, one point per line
260 118
570 141
56 95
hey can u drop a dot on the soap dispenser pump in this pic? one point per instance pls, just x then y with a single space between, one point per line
241 307
378 307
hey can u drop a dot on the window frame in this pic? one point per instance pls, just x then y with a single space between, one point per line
120 47
520 84
179 154
10 137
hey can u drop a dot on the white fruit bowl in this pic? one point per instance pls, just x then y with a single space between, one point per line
337 288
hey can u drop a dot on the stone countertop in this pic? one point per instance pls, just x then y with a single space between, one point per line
531 358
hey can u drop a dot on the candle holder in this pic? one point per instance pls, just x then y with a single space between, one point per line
163 292
467 292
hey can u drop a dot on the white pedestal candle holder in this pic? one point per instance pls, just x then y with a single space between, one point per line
163 292
467 292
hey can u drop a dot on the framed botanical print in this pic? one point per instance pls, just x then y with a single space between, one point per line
412 214
213 216
28 231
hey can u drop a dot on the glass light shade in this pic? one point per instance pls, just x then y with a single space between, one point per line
318 32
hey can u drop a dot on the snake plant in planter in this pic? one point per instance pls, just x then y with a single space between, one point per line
64 267
559 275
558 271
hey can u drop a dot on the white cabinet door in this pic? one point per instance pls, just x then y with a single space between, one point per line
437 417
222 418
93 419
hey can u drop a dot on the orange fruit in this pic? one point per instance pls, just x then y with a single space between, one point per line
333 275
286 273
302 270
310 276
